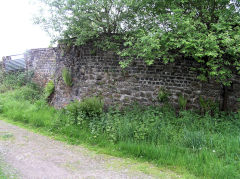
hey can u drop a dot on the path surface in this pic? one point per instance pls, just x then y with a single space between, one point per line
32 155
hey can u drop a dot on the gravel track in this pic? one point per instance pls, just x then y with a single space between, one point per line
32 155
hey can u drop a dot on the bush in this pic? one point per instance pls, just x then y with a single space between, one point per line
29 92
80 112
49 89
91 106
14 80
67 77
73 112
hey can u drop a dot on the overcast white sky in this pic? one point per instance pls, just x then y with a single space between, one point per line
17 31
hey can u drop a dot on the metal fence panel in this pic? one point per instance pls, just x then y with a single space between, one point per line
15 64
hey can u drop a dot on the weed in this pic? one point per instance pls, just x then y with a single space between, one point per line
74 114
91 106
67 77
182 102
163 95
28 92
49 89
207 105
194 139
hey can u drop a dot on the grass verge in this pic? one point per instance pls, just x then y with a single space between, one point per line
2 175
187 143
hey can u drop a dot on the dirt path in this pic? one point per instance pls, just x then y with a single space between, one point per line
31 155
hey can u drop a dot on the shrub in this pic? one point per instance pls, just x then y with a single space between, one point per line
163 95
73 113
49 88
67 77
14 80
78 113
91 106
29 92
182 102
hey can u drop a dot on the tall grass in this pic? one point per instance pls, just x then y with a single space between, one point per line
207 146
2 175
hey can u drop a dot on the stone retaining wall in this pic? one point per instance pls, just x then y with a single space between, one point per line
99 74
42 62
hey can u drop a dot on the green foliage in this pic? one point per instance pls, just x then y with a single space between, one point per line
28 92
163 95
194 139
67 77
201 31
2 174
182 102
1 108
75 115
196 30
9 81
49 88
92 106
81 112
207 105
85 20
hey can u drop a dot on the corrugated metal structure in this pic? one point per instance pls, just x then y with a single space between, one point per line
14 63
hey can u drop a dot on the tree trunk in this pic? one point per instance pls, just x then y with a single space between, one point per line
225 98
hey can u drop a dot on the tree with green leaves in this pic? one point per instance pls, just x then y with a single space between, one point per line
207 32
83 20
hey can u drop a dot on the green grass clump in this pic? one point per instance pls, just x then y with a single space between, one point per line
67 77
2 175
204 145
182 102
79 112
91 106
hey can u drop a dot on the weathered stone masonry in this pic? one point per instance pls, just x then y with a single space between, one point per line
99 74
42 62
